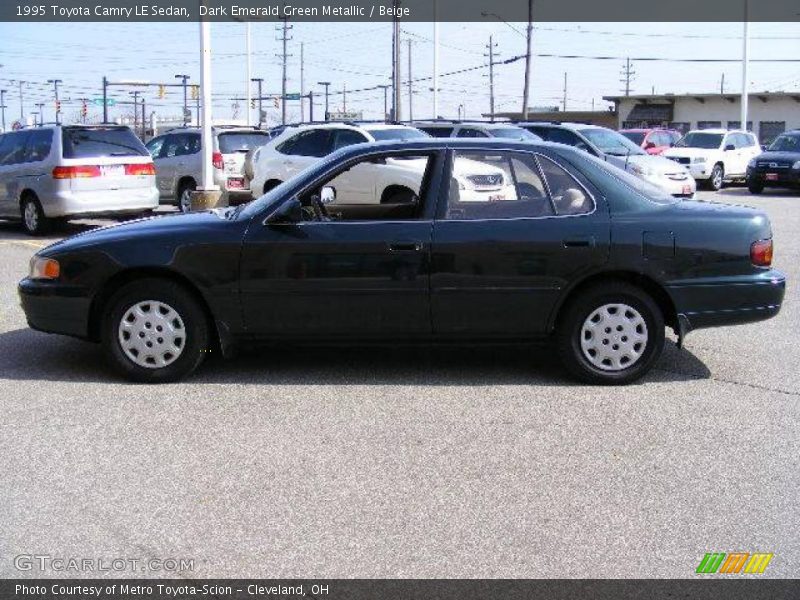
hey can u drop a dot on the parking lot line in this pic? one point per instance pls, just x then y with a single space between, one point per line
30 243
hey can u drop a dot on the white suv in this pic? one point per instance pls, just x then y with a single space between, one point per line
392 181
714 156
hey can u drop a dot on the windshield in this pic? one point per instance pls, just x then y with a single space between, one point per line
515 133
398 133
637 137
611 142
86 142
786 143
707 141
241 141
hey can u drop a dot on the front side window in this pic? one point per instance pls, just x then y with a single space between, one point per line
38 145
469 132
511 185
314 142
181 144
786 143
154 146
347 137
12 151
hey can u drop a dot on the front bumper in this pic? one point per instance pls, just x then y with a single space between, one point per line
776 177
728 301
55 308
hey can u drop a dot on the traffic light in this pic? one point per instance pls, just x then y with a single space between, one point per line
162 92
84 109
195 92
277 102
252 103
58 106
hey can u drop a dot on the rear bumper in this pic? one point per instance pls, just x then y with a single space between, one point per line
67 203
55 308
733 301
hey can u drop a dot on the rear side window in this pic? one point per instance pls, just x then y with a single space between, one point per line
562 136
569 197
241 141
315 142
38 145
12 148
88 142
469 132
438 132
347 137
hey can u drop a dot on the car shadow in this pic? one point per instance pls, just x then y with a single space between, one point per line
30 355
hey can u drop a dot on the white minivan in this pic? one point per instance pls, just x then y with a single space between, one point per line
68 171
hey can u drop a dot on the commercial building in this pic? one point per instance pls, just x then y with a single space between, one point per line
769 113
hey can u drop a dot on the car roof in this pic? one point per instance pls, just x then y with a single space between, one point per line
717 131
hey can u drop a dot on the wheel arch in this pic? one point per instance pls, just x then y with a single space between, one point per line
271 183
181 182
219 338
646 283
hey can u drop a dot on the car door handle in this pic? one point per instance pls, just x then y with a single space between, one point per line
405 247
580 242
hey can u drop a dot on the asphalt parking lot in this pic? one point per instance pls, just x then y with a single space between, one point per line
407 463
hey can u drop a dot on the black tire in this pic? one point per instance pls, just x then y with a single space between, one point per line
34 221
577 313
755 187
717 179
187 186
195 326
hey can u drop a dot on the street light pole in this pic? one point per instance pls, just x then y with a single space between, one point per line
105 99
249 76
526 92
385 89
40 106
3 107
745 67
21 106
327 84
185 78
259 81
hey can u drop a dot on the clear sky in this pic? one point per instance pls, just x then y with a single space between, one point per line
359 55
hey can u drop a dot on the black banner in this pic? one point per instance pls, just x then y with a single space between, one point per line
404 10
734 588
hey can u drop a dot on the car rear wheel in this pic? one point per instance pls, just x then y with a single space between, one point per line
185 196
155 331
612 333
717 178
33 218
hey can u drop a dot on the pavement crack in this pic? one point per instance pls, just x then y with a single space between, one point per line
755 386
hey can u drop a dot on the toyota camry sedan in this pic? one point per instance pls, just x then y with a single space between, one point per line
561 247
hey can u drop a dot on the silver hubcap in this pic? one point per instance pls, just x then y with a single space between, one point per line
614 337
717 178
31 216
152 334
186 200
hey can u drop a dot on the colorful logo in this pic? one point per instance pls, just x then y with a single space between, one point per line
734 562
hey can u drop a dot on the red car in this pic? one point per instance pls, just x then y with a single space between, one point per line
653 141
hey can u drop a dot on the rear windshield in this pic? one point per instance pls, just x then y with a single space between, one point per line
241 141
86 142
637 137
406 133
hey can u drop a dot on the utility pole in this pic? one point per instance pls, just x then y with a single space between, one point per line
491 46
40 106
259 81
105 99
344 97
3 107
385 89
55 83
396 112
185 78
745 66
249 75
311 105
529 37
327 84
197 103
722 84
135 95
21 106
435 59
285 28
302 85
410 85
628 75
144 122
565 92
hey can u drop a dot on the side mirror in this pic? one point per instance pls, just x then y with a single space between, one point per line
730 147
290 211
327 195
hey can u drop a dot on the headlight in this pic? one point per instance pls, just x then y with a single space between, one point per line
44 268
699 159
796 165
752 163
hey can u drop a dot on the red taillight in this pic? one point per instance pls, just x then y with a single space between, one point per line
216 160
76 172
145 169
761 253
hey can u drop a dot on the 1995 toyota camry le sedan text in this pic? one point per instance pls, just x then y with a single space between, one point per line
464 241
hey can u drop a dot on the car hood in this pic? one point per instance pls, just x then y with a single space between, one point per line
779 156
161 226
690 152
658 164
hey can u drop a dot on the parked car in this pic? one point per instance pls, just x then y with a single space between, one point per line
779 166
544 263
390 181
715 156
69 171
652 141
618 150
179 162
458 129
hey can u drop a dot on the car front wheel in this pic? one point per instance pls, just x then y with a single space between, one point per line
155 331
755 187
612 333
717 178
